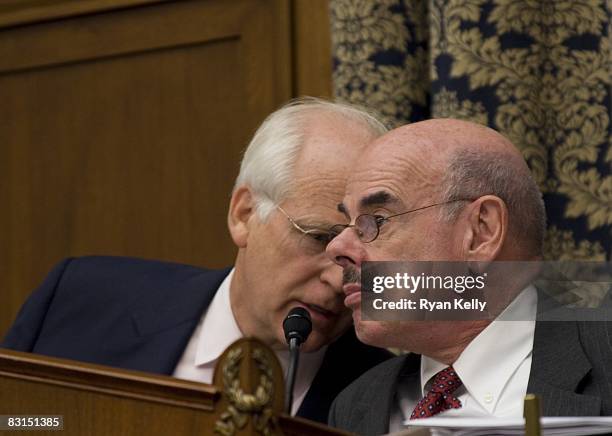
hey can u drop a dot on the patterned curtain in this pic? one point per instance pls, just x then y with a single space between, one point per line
536 70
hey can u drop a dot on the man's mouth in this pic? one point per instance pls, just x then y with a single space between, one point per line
353 295
351 285
320 310
320 314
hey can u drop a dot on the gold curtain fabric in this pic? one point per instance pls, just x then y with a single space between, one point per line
537 71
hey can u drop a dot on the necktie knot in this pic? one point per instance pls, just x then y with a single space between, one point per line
439 397
446 381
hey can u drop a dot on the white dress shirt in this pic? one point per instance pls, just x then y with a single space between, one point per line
216 330
494 368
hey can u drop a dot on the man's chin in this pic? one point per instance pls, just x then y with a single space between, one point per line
368 332
314 343
373 333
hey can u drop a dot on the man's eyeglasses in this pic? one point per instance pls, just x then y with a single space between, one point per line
368 226
318 237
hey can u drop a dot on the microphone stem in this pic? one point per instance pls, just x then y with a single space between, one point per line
294 355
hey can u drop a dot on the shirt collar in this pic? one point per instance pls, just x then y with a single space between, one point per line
219 329
489 361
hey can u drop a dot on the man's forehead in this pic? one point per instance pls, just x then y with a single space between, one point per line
321 185
391 173
328 154
315 194
314 211
330 144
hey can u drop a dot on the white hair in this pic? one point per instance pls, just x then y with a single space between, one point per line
269 160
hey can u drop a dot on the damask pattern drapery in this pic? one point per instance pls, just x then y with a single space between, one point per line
539 71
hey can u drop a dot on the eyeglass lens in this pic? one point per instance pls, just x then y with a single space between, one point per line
366 227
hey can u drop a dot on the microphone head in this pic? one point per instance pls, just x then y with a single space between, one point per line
297 325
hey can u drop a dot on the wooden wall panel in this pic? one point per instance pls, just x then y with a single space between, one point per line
122 125
312 61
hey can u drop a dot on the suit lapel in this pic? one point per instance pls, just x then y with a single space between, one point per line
558 367
165 320
373 416
345 360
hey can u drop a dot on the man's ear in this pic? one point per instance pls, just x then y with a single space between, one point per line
241 209
487 229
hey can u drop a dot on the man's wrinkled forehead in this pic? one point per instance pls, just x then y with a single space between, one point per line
331 147
391 173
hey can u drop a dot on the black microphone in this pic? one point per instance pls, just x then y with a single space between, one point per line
297 326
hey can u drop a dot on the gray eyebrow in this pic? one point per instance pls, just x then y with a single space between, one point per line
379 198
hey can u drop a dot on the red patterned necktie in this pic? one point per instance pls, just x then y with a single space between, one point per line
439 397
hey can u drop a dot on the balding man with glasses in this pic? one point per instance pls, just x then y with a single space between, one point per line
452 192
177 319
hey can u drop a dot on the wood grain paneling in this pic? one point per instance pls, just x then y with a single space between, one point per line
122 125
18 12
312 48
99 400
96 400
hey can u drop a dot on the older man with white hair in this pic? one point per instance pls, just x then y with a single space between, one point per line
177 319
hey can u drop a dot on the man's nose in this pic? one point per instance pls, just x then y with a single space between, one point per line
346 249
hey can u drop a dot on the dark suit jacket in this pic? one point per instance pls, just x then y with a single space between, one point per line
570 370
138 314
